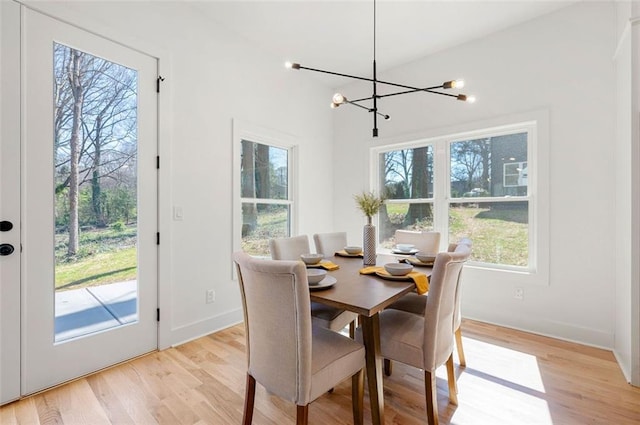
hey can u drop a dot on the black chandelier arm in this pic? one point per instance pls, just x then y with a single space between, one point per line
372 80
359 106
428 90
334 73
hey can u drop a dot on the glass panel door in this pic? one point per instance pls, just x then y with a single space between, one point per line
89 255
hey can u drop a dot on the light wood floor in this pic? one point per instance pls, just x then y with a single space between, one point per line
511 378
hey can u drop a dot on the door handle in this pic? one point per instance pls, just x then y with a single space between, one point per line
5 226
6 249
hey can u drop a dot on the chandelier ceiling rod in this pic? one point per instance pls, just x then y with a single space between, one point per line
339 99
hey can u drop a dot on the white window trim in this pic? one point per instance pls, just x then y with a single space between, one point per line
537 124
254 133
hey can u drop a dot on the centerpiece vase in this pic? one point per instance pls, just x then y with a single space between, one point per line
369 244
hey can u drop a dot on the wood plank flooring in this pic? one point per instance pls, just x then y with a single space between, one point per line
511 378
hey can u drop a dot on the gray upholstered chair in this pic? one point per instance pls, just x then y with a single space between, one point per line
426 341
286 354
424 241
330 243
416 304
323 315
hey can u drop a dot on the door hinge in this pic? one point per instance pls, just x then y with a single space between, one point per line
157 238
158 162
157 315
158 81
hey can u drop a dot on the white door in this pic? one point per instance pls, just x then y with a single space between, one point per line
89 198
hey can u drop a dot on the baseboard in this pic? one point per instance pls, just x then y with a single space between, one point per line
549 328
195 330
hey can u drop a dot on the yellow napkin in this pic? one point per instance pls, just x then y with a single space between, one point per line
420 279
328 265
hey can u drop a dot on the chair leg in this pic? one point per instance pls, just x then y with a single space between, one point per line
249 397
451 379
352 330
463 362
388 367
357 397
302 415
431 394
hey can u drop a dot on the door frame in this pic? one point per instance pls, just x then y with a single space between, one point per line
10 267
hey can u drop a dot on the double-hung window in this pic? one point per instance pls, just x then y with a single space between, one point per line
264 200
475 185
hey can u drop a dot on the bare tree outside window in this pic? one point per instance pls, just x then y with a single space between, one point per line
95 157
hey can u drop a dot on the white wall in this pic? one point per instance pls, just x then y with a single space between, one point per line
560 65
212 78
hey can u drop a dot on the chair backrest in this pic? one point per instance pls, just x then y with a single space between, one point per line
329 243
425 241
441 306
277 317
289 248
457 315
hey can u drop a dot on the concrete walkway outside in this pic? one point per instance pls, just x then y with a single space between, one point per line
94 309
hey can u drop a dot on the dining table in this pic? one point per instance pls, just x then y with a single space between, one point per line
367 295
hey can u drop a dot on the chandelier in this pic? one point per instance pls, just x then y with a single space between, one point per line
340 99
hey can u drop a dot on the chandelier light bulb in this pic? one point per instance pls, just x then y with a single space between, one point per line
387 118
334 105
458 84
291 65
339 99
471 99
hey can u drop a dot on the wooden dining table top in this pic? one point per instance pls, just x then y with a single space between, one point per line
363 294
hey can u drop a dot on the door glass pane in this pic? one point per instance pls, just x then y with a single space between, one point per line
95 187
490 166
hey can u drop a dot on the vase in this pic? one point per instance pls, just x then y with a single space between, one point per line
369 244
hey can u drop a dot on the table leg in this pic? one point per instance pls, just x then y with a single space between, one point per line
371 339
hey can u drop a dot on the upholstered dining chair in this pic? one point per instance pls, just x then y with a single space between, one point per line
323 315
286 354
424 241
416 304
426 341
330 243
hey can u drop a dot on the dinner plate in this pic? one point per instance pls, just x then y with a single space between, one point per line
325 283
397 251
392 277
417 262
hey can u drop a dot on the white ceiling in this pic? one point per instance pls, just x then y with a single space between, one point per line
338 35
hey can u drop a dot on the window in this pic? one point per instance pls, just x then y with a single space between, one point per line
264 201
475 186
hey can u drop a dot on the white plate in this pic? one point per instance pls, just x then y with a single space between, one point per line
323 284
397 251
392 277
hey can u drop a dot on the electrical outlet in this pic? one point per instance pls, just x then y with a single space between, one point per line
211 296
518 294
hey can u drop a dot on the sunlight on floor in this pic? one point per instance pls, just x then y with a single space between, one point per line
512 374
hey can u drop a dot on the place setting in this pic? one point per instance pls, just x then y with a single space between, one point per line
400 271
317 261
319 279
421 259
350 251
